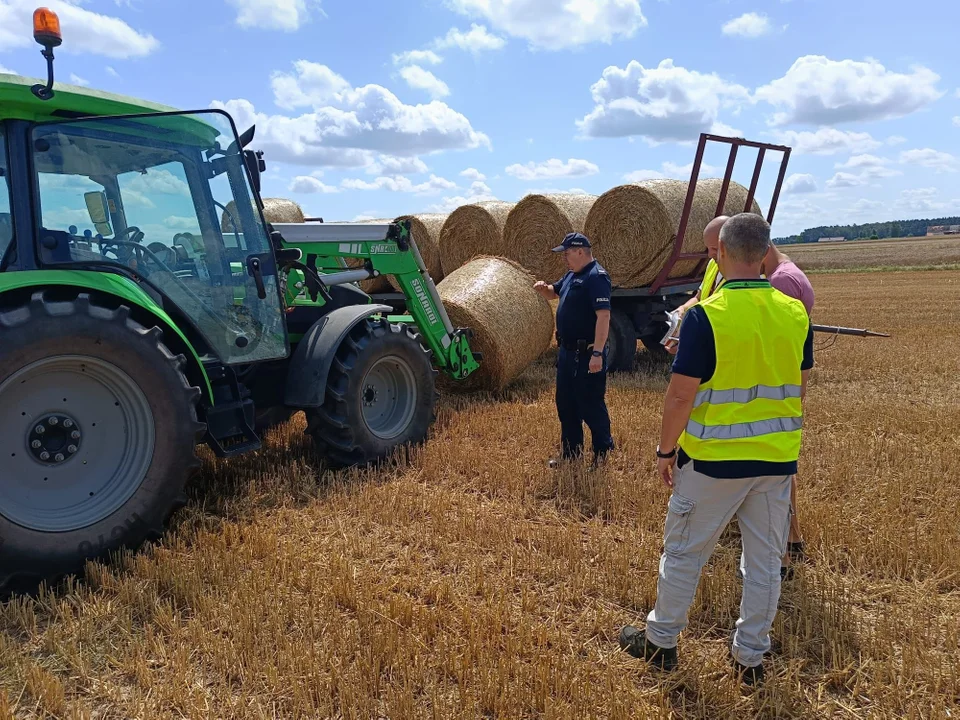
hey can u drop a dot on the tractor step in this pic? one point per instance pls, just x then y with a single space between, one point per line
230 421
230 429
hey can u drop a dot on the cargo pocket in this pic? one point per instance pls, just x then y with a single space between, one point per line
679 512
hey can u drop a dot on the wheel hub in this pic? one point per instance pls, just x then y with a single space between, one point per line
370 395
54 438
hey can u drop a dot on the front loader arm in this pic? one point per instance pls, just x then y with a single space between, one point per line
387 249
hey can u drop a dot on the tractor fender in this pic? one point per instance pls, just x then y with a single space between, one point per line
311 361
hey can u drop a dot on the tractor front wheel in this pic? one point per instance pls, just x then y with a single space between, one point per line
98 428
380 395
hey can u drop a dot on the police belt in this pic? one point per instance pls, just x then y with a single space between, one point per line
574 345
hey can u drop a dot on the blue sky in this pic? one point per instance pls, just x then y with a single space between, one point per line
367 108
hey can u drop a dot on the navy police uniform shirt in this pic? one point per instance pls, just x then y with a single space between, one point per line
581 295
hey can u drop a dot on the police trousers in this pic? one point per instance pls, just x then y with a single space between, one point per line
700 508
580 399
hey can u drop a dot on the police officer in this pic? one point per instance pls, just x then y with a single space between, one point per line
583 322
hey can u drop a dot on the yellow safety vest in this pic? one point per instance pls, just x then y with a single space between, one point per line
750 409
709 279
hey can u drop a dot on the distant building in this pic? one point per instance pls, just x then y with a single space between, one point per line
943 230
831 239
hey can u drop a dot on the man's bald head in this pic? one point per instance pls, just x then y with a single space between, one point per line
711 234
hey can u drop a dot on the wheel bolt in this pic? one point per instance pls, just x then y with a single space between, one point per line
35 444
44 455
39 429
59 457
53 421
71 449
68 423
75 434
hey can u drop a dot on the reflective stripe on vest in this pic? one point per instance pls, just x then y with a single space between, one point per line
744 430
745 395
750 409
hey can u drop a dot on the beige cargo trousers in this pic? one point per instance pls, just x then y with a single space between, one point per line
700 508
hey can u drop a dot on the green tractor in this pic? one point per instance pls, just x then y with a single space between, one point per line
147 307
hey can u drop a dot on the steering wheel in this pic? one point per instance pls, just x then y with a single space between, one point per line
137 237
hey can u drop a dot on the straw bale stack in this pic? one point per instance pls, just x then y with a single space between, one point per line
275 210
537 224
631 227
426 233
473 231
512 324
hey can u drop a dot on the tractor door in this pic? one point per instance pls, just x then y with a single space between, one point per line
158 198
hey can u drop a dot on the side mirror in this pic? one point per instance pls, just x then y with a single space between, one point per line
96 202
256 165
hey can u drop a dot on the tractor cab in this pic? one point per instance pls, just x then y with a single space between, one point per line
91 181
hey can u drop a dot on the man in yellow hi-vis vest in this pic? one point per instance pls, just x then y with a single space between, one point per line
711 275
734 407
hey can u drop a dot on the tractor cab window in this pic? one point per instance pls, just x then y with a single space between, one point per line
165 200
6 219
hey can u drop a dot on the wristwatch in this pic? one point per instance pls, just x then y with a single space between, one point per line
665 456
597 353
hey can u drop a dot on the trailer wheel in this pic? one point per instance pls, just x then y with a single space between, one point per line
381 395
621 342
98 428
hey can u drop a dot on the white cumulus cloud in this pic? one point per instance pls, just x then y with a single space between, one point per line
389 165
287 15
956 120
420 79
819 91
800 183
77 80
346 126
664 103
558 24
930 158
428 57
400 184
748 25
473 174
921 200
84 31
827 141
310 184
552 168
475 40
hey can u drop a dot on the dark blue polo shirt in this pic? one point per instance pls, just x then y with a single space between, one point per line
581 295
697 357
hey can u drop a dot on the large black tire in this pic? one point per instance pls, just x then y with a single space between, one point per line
374 350
621 343
68 358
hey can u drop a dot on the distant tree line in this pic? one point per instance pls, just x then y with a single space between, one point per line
875 231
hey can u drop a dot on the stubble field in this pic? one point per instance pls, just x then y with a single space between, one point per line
472 582
923 253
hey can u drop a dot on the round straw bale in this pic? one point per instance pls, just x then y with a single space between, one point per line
426 234
631 227
512 324
472 231
537 224
275 210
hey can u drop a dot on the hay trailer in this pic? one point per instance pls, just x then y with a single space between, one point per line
640 313
138 322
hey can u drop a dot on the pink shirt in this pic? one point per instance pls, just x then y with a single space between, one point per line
790 280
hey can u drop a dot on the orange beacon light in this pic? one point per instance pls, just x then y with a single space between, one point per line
46 27
46 31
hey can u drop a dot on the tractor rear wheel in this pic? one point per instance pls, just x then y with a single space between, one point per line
381 395
651 341
98 429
